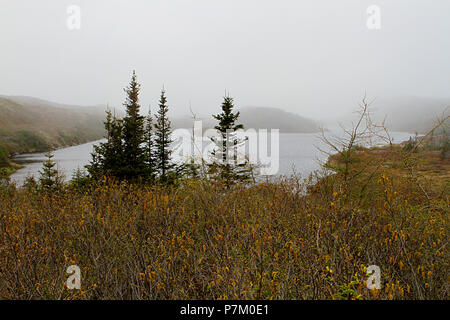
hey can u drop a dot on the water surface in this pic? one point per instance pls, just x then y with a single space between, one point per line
298 152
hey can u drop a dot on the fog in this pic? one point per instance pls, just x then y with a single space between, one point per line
316 58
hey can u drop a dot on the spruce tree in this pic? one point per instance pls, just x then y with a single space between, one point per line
107 158
225 155
116 158
123 154
31 185
150 157
113 148
135 147
133 133
50 180
163 140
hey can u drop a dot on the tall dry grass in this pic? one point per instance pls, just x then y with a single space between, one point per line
199 240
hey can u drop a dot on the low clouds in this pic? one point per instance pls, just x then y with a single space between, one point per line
315 58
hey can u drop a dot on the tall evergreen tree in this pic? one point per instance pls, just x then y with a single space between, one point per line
135 147
225 155
162 139
123 154
133 132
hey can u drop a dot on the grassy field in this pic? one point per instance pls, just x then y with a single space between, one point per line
200 240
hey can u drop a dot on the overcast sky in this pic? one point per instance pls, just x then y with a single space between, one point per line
312 57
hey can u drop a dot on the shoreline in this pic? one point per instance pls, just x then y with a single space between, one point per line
301 165
15 166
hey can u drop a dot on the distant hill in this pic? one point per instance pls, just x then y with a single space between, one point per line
31 125
36 103
259 118
274 118
406 114
411 114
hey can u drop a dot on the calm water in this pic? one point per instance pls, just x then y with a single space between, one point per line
298 152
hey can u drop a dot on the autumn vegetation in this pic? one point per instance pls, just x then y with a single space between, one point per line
203 237
201 240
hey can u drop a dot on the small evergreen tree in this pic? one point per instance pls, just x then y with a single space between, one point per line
162 140
80 180
107 158
150 157
50 180
30 184
114 159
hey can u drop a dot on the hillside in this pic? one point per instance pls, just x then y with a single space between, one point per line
274 118
405 114
411 114
259 118
31 125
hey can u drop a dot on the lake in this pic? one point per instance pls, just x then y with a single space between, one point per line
298 152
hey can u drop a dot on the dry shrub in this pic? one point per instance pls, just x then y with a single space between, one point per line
200 240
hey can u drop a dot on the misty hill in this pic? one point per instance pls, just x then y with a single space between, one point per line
31 125
411 114
259 118
40 103
274 118
406 114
